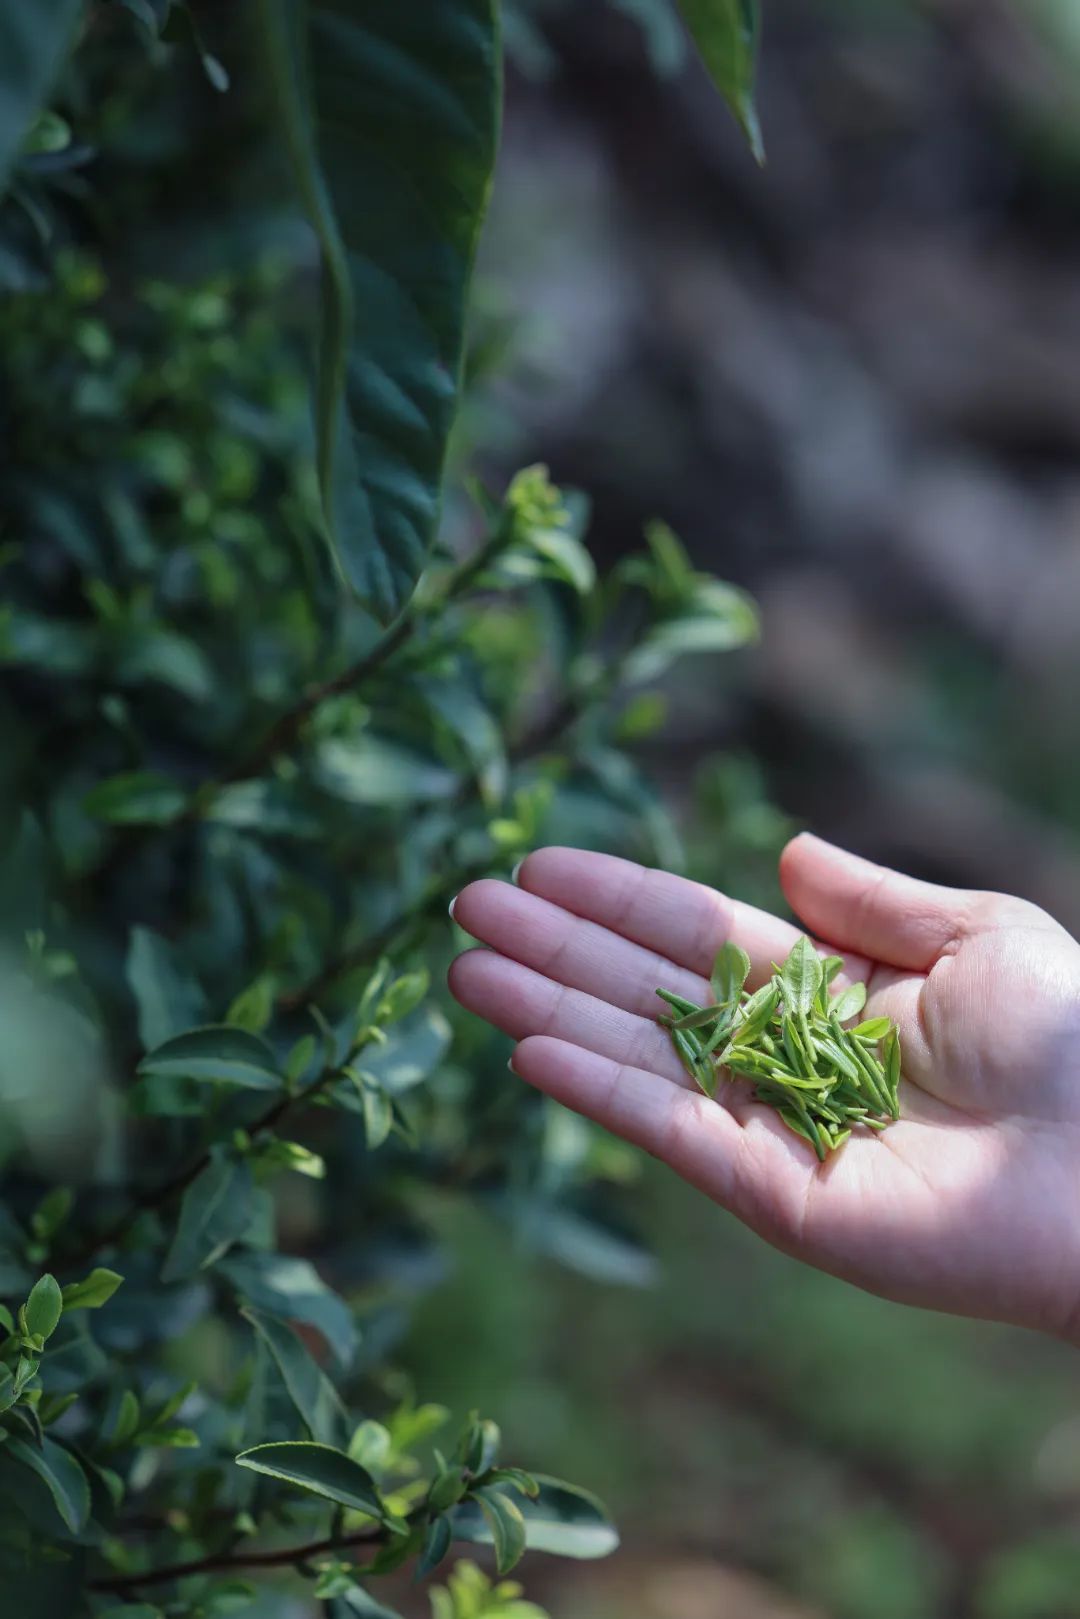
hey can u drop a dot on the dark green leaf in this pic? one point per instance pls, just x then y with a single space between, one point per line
167 998
415 88
309 1389
320 1469
61 1474
139 798
217 1053
293 1289
507 1527
562 1519
34 40
216 1210
436 1545
727 34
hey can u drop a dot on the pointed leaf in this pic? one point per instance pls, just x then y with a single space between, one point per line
730 972
563 1519
727 33
44 1307
849 1003
93 1291
801 975
507 1527
415 88
320 1469
218 1053
167 998
217 1209
436 1545
309 1389
62 1476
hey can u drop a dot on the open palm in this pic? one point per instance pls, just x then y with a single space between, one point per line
971 1203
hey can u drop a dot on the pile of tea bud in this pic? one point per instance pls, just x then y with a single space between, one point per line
789 1040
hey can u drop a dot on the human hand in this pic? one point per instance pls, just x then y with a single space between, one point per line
971 1203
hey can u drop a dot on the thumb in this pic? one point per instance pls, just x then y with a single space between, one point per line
859 906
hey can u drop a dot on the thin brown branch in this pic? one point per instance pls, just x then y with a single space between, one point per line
224 1562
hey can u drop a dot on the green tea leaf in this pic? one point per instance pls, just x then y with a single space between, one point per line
849 1003
167 998
308 1387
507 1526
140 798
730 972
61 1474
319 1469
436 1545
801 976
562 1519
93 1291
44 1307
875 1028
415 89
217 1209
727 34
217 1053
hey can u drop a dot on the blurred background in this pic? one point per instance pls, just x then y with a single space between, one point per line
851 384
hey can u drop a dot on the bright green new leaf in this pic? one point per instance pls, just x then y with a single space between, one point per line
730 972
309 1389
217 1053
801 976
44 1307
727 34
849 1003
61 1475
320 1469
93 1291
391 132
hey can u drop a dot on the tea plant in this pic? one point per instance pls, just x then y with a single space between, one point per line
268 701
788 1039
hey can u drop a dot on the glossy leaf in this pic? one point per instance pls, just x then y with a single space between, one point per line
415 89
60 1473
507 1526
319 1469
217 1053
727 34
562 1519
309 1389
140 798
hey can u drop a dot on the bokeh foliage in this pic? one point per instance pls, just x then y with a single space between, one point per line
236 795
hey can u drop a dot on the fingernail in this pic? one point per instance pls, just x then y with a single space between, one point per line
510 1063
517 868
450 907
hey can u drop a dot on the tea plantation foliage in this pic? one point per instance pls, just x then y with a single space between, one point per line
272 687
